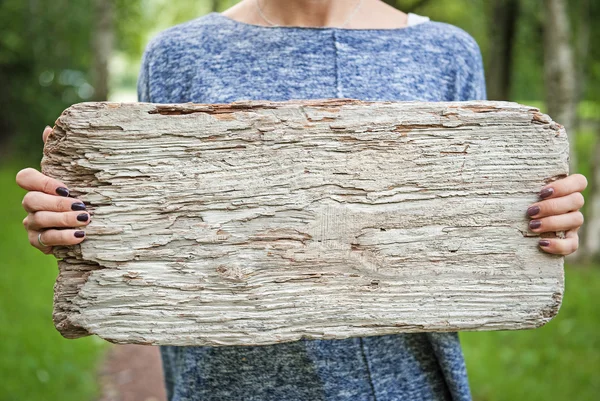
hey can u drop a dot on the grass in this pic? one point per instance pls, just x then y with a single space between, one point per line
36 363
558 361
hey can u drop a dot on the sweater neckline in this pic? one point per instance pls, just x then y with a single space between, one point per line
423 21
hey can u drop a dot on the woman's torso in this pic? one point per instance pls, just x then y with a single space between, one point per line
215 59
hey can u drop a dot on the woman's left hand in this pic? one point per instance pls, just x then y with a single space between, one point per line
559 211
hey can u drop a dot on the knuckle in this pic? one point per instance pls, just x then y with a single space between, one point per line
32 239
583 180
551 207
65 219
580 218
47 185
561 249
567 246
27 199
579 199
59 204
34 220
572 246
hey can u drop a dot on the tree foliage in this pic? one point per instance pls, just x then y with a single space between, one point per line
45 63
46 54
44 60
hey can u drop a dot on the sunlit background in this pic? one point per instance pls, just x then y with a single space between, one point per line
54 53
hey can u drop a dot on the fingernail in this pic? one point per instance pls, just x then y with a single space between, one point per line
533 210
546 192
79 234
544 242
83 217
62 191
47 126
78 206
533 224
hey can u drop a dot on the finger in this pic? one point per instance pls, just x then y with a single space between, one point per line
46 133
32 180
560 246
33 240
44 219
555 206
562 222
56 237
39 201
564 186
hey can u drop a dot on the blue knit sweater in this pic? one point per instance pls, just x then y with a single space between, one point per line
215 59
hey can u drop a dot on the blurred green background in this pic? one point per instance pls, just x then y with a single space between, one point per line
55 53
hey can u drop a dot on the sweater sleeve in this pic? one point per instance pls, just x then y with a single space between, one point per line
143 82
471 85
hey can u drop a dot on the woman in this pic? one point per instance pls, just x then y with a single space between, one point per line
301 49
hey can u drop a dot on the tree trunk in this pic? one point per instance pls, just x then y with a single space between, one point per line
590 232
560 72
263 222
504 14
102 45
583 48
591 240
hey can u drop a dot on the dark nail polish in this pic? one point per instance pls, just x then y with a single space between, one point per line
62 191
78 206
79 234
533 210
83 217
544 242
533 224
546 192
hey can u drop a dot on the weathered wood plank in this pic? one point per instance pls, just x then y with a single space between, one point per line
263 222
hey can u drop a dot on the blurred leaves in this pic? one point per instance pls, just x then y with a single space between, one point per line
45 52
45 63
39 41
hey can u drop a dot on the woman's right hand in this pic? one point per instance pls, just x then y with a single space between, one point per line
51 212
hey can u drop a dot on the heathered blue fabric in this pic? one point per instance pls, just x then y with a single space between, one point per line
215 59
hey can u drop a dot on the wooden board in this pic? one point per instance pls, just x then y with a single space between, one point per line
263 222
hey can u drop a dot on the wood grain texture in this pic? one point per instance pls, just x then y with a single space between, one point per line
262 222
